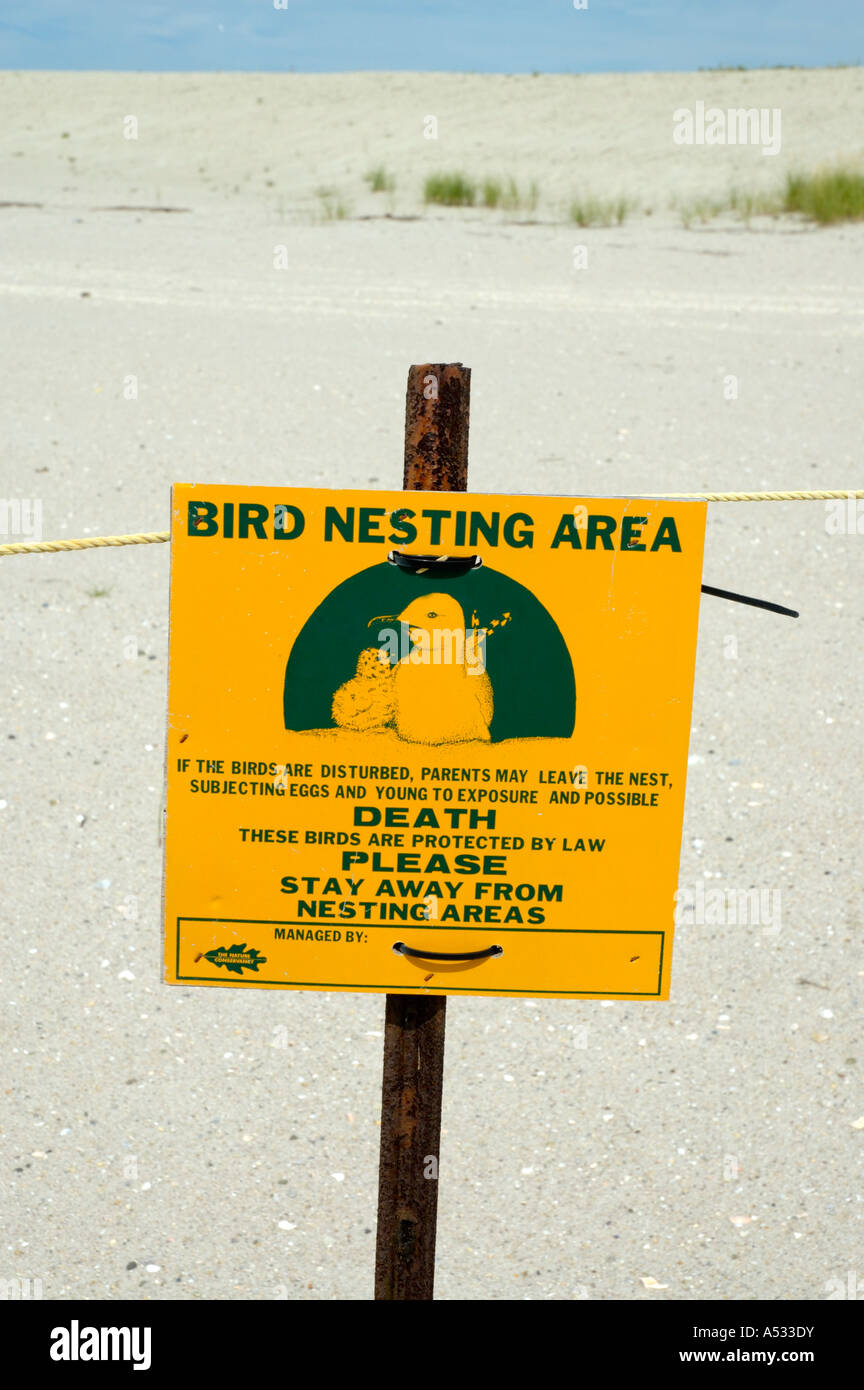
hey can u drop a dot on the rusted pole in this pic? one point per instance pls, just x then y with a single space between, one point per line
436 459
436 427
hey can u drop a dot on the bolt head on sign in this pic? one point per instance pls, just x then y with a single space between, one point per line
410 725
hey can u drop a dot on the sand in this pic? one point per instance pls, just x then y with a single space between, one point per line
268 143
169 1143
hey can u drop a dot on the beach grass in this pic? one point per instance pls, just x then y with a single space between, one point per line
746 204
701 210
380 180
450 190
743 204
827 196
601 212
333 207
506 194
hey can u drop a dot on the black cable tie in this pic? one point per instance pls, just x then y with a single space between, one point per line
453 565
445 565
403 950
753 602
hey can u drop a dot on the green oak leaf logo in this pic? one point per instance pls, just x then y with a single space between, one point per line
236 959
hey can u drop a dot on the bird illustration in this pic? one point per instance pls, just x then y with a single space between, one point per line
441 690
366 700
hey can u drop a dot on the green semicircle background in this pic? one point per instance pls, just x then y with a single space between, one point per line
527 660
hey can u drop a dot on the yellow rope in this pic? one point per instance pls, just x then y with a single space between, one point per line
757 496
155 537
28 547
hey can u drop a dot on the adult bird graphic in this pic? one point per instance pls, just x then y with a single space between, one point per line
441 690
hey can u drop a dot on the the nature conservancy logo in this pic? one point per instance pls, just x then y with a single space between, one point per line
77 1343
235 959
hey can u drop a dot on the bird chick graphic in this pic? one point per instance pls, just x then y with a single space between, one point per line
437 691
441 692
366 701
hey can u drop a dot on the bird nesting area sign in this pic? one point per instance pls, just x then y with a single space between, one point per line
427 742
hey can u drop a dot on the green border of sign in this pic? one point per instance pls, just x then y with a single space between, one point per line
401 988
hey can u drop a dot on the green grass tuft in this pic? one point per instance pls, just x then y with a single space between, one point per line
702 210
826 197
333 206
515 200
746 205
507 195
451 190
830 195
601 212
379 180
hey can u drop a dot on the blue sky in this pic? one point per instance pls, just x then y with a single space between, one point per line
430 35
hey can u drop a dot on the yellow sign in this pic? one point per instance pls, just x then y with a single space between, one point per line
427 742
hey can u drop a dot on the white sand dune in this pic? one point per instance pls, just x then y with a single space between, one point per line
271 141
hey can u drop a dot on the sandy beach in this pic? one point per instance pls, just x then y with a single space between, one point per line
224 299
263 145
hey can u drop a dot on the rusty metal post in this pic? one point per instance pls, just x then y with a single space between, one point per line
436 459
437 406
